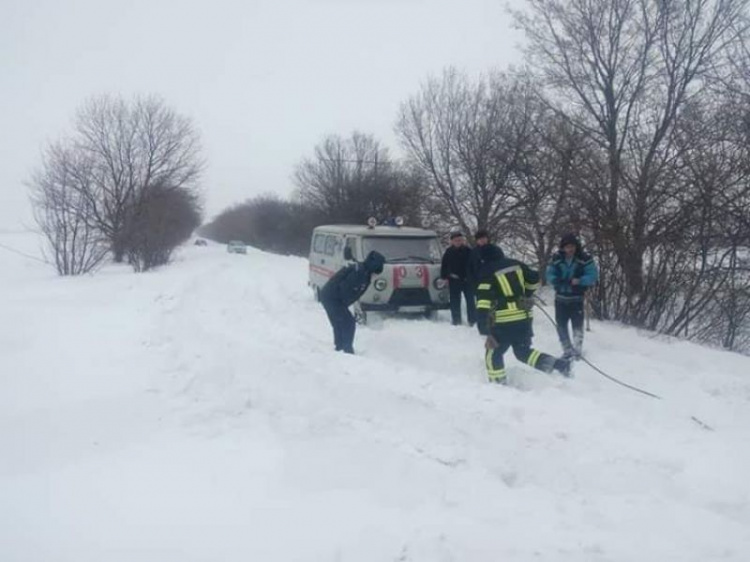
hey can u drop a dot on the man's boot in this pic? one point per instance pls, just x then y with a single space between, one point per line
563 366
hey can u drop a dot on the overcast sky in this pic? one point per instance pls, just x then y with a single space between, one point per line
263 81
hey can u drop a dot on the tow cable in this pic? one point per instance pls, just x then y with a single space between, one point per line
701 423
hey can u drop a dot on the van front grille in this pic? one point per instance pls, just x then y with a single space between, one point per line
410 297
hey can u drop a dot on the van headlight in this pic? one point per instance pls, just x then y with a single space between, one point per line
440 284
381 284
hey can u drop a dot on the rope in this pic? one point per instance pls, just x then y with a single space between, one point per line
597 369
613 379
617 381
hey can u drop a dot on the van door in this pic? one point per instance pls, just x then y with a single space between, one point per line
319 273
331 257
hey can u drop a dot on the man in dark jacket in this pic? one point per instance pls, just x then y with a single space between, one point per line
343 290
481 238
571 272
504 314
454 269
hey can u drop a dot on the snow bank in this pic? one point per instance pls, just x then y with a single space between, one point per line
198 413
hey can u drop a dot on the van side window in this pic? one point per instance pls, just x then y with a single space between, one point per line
319 245
331 245
351 243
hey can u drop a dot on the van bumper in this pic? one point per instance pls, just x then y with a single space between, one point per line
387 307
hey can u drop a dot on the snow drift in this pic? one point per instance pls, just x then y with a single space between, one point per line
198 413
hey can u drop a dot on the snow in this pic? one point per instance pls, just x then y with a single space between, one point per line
198 413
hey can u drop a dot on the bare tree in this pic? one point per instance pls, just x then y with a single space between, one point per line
549 186
64 216
98 185
468 139
132 146
163 218
351 179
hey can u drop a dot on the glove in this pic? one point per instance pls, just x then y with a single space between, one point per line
490 343
526 303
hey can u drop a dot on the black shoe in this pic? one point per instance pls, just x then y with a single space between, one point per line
563 366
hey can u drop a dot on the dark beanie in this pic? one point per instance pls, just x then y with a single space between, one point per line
569 238
482 234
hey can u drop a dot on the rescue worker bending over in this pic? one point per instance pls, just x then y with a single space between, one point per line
504 314
343 290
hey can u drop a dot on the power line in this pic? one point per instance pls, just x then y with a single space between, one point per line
23 254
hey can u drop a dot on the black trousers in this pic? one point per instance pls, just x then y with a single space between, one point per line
569 312
343 324
518 336
462 289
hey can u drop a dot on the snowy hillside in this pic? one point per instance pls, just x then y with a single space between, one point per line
198 413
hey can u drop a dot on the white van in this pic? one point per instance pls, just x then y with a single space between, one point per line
410 281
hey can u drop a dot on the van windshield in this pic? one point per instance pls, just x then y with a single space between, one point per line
396 249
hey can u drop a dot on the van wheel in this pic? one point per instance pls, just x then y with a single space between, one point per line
430 314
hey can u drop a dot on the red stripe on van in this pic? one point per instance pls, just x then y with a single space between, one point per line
322 270
399 272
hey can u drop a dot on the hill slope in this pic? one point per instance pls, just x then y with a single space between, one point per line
198 413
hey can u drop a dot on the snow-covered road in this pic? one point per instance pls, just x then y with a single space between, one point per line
198 413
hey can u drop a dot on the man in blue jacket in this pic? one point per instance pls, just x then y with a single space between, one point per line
571 272
343 290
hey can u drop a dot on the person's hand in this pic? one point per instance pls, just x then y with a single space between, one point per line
575 281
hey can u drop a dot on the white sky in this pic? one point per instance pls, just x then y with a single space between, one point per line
263 81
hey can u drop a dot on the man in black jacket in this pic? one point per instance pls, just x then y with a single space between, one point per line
343 290
455 269
482 239
504 314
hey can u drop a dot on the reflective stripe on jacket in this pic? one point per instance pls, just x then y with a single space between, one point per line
500 295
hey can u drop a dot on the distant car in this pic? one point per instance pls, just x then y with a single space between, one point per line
201 242
236 247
